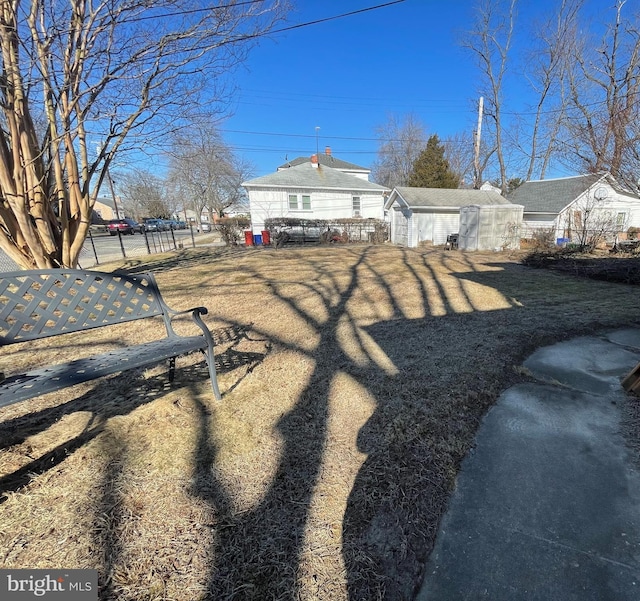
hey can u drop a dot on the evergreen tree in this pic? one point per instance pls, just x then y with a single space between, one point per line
431 168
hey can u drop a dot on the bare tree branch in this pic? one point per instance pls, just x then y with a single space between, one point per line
110 74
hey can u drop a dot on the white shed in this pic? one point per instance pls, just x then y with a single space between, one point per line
490 227
431 214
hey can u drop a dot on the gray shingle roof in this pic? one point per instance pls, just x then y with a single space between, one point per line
444 197
307 176
552 195
327 160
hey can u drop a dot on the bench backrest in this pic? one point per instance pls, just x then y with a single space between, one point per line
46 302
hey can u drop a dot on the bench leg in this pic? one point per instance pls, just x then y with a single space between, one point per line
172 368
211 362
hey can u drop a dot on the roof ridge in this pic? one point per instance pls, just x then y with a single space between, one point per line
556 179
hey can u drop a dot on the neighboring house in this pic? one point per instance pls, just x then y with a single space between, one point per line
312 190
104 208
577 208
431 214
490 186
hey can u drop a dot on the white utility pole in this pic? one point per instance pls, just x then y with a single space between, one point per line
476 152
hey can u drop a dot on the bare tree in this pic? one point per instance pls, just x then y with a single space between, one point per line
144 194
602 125
458 150
550 60
205 172
489 41
401 140
76 74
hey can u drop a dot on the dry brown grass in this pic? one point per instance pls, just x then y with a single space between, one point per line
354 379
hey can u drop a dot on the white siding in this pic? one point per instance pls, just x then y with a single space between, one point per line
532 222
422 225
325 204
445 224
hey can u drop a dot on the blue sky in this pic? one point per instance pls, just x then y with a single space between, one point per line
347 75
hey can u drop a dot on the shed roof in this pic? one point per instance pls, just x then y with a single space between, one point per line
444 197
307 176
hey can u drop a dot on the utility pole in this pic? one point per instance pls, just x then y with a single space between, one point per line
476 152
317 146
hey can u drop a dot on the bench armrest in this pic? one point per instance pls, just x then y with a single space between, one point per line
196 313
193 310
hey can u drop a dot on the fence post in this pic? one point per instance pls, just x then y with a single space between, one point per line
124 254
93 246
146 240
153 239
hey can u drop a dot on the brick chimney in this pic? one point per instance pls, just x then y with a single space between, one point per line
314 161
327 150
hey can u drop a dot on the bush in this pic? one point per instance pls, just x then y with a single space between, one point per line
543 238
231 229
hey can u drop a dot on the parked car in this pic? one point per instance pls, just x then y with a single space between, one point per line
154 225
206 226
124 226
181 225
171 224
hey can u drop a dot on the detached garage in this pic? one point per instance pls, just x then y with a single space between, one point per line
430 214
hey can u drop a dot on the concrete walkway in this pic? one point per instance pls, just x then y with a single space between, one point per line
547 505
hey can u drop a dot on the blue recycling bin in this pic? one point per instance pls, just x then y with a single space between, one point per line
257 239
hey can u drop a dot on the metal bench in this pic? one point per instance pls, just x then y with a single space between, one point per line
51 302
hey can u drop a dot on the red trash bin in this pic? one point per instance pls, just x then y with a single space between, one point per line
248 238
266 237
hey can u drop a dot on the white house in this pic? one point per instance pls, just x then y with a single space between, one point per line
431 214
567 207
310 189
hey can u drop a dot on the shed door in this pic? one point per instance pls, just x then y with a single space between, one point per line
400 231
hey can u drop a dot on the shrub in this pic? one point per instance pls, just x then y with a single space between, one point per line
231 229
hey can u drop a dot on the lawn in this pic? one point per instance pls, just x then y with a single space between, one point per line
353 381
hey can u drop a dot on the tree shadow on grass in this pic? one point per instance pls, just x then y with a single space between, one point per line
134 391
259 553
182 259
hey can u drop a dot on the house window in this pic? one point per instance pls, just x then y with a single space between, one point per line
306 202
621 218
293 201
356 206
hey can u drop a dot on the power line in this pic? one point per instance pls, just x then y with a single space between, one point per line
341 16
251 36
